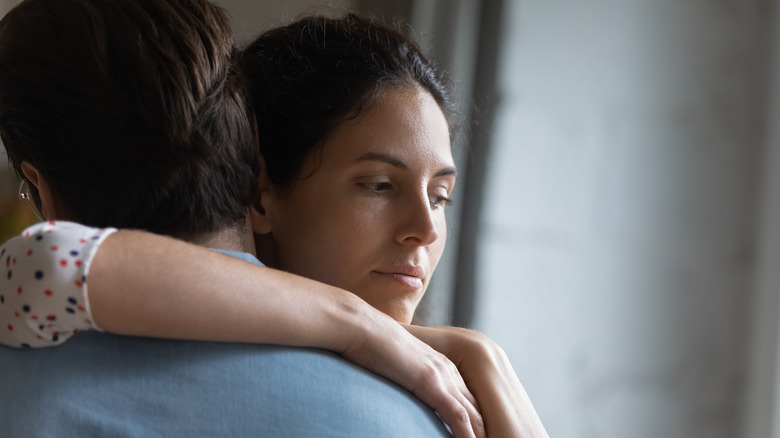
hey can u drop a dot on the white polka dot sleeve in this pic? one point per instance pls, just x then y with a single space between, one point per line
43 283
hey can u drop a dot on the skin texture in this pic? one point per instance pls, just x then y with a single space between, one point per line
367 214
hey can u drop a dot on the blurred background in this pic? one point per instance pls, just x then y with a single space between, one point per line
617 221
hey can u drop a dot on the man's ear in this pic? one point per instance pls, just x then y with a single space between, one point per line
50 205
259 210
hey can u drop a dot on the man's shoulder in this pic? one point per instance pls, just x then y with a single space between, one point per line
99 384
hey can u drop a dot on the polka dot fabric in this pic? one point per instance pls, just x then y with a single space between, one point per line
43 283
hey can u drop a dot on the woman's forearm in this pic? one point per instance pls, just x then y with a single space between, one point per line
147 285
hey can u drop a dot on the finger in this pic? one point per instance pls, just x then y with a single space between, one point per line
475 419
455 415
467 399
451 399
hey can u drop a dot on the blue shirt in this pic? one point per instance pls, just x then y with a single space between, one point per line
103 385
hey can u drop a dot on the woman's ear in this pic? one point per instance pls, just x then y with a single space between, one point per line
257 214
50 205
30 172
259 211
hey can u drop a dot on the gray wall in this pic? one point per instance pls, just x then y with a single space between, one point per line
620 247
618 244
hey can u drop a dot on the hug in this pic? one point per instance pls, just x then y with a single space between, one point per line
234 241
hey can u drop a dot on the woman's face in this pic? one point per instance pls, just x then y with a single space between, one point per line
368 213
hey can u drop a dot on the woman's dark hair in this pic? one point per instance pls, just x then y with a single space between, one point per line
307 77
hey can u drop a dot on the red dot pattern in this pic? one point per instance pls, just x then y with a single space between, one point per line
44 281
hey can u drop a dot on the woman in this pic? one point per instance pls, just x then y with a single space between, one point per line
354 131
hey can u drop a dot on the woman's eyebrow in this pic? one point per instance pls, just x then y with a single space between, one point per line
447 171
385 158
399 163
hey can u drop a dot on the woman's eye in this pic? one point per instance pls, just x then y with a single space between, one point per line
440 201
377 187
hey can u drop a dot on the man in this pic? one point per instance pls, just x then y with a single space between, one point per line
129 113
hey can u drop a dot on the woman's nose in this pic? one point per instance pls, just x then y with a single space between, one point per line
418 222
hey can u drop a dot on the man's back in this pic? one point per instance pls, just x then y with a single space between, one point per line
101 385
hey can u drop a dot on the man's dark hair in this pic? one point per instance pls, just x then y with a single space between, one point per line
307 77
132 110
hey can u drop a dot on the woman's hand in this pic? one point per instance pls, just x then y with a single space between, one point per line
485 368
388 350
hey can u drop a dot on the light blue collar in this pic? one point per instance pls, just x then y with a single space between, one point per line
245 256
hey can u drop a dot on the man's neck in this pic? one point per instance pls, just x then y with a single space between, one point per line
239 238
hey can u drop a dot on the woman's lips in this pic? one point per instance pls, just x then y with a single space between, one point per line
407 280
410 276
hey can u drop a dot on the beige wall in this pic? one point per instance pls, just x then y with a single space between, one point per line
251 17
5 5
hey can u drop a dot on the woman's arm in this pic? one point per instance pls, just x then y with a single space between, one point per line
506 408
142 284
182 291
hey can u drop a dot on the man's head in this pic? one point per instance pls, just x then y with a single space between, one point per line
132 111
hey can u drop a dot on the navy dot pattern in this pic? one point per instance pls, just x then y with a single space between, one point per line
43 292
